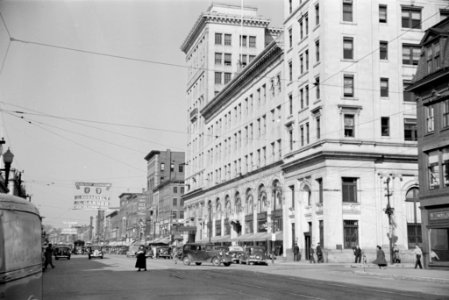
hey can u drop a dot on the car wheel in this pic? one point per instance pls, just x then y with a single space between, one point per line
227 264
198 263
56 258
101 257
89 256
186 261
216 261
68 258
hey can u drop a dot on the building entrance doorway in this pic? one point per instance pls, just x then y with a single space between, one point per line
307 245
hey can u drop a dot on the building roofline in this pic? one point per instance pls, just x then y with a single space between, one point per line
151 154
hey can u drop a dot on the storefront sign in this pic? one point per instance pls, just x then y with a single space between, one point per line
91 195
439 215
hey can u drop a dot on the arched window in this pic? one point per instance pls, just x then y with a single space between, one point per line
262 198
249 203
238 203
277 195
413 217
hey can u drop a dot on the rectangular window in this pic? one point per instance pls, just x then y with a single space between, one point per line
383 50
162 166
410 54
317 89
384 87
320 190
218 38
290 38
349 189
175 201
306 54
290 137
243 40
218 58
301 130
414 234
445 113
430 119
307 133
348 48
292 191
227 39
290 71
317 14
350 233
307 95
217 77
252 42
290 103
385 126
410 130
301 98
349 125
227 77
411 17
301 28
347 10
227 59
348 86
407 96
433 169
445 165
382 13
301 64
317 50
175 189
318 127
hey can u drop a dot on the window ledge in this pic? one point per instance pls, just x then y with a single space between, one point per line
350 98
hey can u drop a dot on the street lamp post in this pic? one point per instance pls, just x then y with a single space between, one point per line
389 212
7 160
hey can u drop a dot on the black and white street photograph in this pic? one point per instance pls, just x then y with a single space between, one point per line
224 149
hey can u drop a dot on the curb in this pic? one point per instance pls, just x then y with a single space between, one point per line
402 277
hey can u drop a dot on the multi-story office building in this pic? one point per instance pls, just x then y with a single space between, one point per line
132 215
431 89
350 139
165 183
235 95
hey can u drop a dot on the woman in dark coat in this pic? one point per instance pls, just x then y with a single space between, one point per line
380 258
141 262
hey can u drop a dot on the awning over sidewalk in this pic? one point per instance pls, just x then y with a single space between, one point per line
221 239
259 236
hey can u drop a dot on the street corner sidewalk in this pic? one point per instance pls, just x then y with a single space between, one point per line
402 272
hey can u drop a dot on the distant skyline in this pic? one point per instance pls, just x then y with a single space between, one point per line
89 88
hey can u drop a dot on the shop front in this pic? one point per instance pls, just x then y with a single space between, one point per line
438 237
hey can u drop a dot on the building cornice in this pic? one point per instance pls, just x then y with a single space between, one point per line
259 65
316 157
218 18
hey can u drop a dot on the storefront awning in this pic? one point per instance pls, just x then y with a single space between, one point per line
259 236
221 239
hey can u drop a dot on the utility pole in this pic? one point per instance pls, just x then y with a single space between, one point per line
389 211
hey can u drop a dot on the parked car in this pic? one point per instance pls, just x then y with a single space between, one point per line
255 255
204 253
236 252
62 252
94 251
163 252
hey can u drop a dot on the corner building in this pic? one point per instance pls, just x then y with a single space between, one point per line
350 129
235 94
430 87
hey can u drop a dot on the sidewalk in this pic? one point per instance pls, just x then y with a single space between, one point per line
405 271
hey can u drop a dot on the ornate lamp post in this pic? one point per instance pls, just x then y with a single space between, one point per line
8 157
389 212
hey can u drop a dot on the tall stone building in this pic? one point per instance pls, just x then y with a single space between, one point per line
350 161
235 96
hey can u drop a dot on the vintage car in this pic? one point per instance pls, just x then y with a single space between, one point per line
62 252
236 252
94 252
254 255
204 253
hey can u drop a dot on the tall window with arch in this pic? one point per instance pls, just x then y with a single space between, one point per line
413 217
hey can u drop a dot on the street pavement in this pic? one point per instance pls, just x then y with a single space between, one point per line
115 278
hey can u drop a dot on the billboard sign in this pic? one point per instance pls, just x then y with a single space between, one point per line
92 196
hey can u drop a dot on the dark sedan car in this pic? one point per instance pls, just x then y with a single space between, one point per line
207 253
62 252
255 255
236 252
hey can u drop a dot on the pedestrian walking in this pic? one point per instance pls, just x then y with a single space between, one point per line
141 261
319 253
380 258
295 252
312 255
358 254
49 257
418 254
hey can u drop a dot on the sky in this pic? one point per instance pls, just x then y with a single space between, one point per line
89 88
